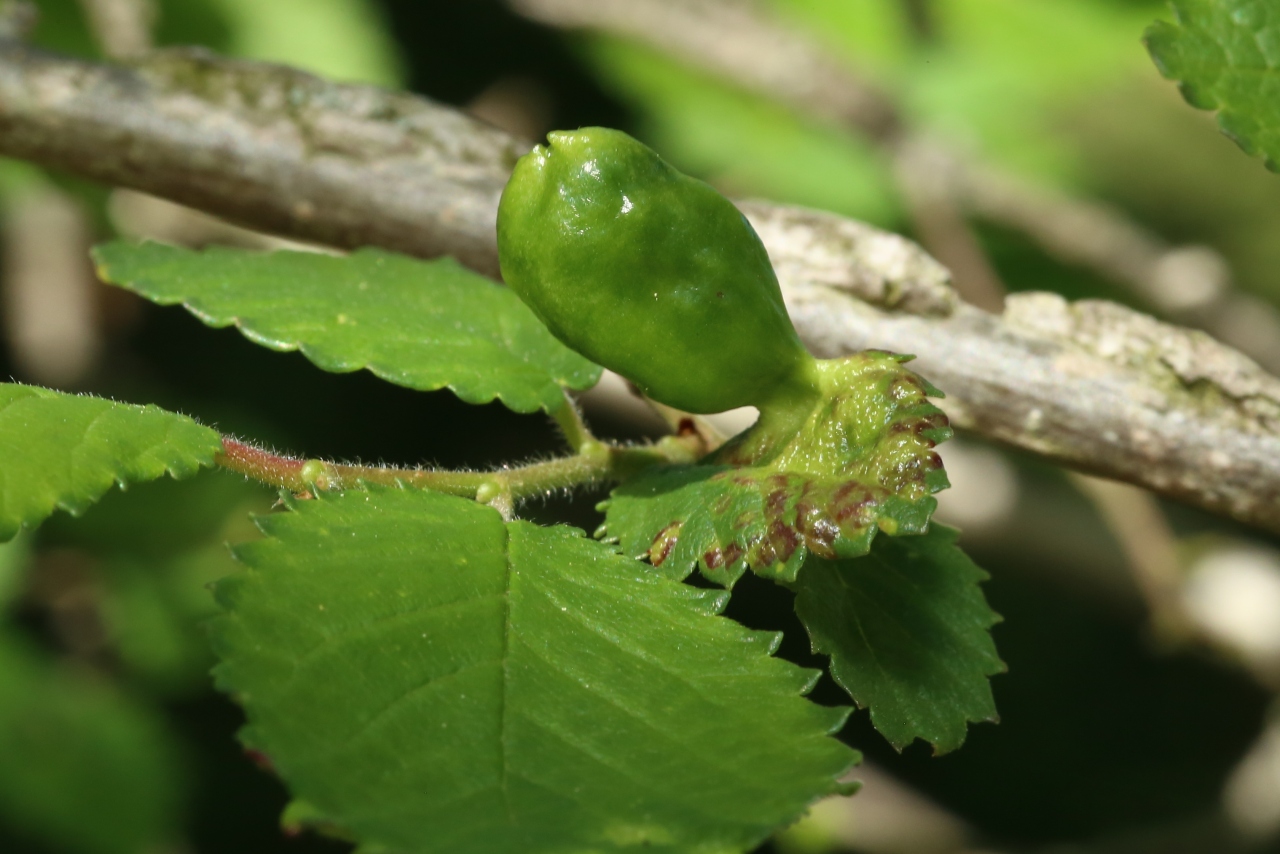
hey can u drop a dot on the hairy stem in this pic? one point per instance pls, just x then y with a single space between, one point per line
569 419
595 462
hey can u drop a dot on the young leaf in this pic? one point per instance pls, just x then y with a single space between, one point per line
84 769
427 677
861 461
64 451
1226 55
726 520
908 632
424 325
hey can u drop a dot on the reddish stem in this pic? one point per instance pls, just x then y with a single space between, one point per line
262 465
595 461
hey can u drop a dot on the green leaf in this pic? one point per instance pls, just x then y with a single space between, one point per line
861 462
427 677
424 325
85 769
14 558
65 451
347 40
726 520
154 614
908 632
1226 55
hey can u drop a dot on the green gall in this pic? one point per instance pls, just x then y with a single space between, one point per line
648 272
317 474
488 492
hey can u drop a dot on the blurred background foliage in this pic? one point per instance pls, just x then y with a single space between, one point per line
1120 732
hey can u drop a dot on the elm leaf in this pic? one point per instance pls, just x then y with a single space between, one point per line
425 325
1226 56
908 632
64 451
863 461
428 677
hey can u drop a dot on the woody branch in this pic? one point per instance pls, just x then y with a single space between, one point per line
1090 385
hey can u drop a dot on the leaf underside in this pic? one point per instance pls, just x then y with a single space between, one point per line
65 451
1226 56
427 677
425 325
908 632
864 461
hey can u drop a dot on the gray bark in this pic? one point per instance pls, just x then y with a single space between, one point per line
1090 385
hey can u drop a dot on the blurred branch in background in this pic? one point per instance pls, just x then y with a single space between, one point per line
886 817
939 221
1250 798
1191 284
732 39
742 42
1225 596
735 40
48 288
17 19
122 28
1087 384
1149 545
1091 385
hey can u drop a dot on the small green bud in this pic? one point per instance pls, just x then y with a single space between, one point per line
646 271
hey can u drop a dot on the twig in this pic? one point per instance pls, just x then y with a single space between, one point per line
1144 535
1090 385
727 38
940 223
122 28
595 462
265 146
48 288
17 19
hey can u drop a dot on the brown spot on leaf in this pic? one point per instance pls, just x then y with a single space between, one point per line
662 545
784 538
823 534
776 502
760 552
844 490
819 532
850 505
905 386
